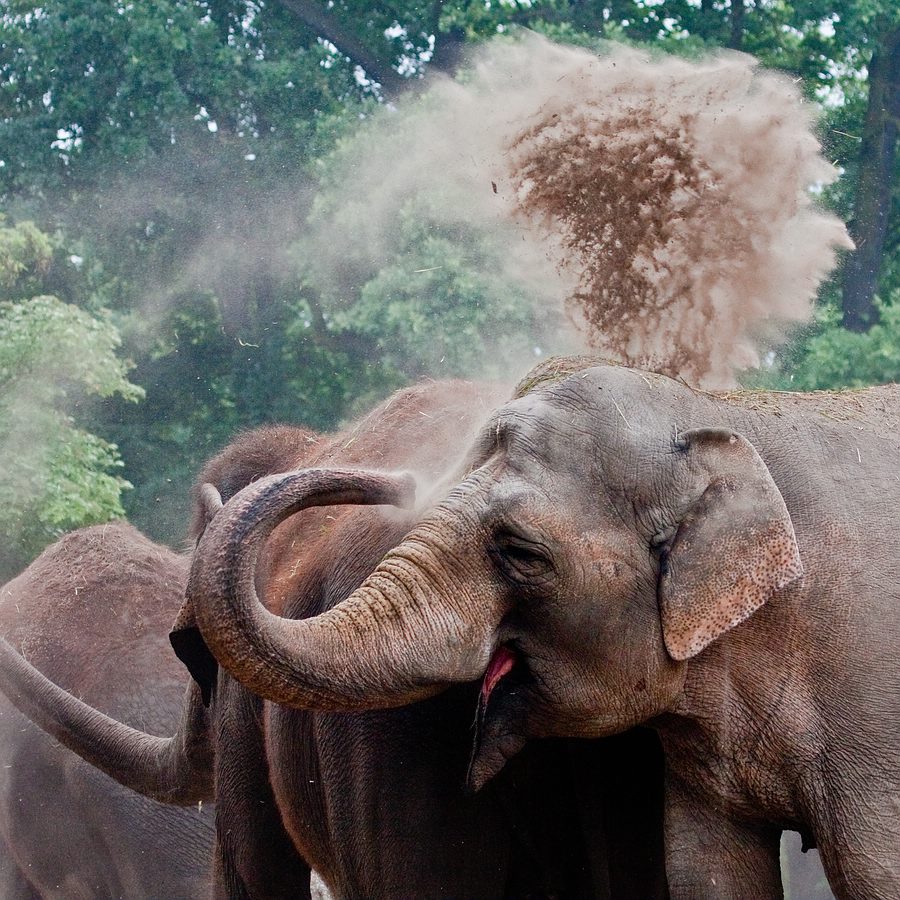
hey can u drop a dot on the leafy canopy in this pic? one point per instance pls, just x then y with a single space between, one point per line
53 357
174 148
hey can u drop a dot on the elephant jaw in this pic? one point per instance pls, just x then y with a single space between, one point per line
495 740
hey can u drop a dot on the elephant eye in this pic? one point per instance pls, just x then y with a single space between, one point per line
521 558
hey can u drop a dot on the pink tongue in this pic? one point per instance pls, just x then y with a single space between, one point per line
501 663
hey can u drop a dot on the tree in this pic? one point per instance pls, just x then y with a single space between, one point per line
877 168
57 475
177 148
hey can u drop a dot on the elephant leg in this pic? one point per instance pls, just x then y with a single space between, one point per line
14 886
626 775
710 856
255 858
227 882
860 851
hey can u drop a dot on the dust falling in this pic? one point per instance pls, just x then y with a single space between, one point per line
663 204
680 192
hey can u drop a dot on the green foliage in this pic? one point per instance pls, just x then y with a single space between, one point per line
56 475
49 348
25 254
442 305
169 154
127 82
206 380
826 356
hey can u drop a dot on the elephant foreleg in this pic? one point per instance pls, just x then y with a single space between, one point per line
709 856
254 857
861 849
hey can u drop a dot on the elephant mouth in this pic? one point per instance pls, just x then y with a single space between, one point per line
502 663
500 718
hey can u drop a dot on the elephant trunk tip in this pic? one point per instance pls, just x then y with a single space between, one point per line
407 485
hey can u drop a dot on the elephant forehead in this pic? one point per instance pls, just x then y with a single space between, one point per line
586 459
589 435
538 429
562 507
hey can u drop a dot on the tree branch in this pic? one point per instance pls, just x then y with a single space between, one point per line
324 23
736 36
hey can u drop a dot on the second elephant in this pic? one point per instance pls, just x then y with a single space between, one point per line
375 800
93 612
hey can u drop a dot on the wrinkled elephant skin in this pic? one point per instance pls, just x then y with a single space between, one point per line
719 567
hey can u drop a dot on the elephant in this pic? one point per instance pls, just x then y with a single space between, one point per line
93 612
375 800
618 549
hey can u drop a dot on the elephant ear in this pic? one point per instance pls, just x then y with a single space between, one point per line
191 649
734 547
185 637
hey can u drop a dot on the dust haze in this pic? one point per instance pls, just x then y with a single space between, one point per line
656 211
652 211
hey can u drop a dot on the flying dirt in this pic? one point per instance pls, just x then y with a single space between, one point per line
661 207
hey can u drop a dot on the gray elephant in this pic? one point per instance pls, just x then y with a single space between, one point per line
375 800
93 611
621 549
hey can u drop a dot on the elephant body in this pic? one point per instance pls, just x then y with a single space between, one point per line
807 689
93 613
567 819
618 549
375 801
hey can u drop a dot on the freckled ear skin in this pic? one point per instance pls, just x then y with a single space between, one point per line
735 546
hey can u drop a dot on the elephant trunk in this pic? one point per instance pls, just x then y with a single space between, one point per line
403 635
175 770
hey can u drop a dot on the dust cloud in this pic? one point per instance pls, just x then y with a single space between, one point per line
239 240
659 206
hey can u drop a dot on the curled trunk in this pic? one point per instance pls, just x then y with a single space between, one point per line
403 635
175 770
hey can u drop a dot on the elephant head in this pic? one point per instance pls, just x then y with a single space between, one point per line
587 552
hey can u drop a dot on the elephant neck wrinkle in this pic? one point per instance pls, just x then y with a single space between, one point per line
745 726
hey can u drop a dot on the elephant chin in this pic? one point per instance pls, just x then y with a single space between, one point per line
489 757
500 722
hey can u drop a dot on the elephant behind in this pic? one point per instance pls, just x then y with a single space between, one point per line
93 613
375 801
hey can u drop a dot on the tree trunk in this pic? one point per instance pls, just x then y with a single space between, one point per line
448 48
376 62
872 206
708 22
736 37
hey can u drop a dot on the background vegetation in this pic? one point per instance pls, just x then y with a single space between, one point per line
158 168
